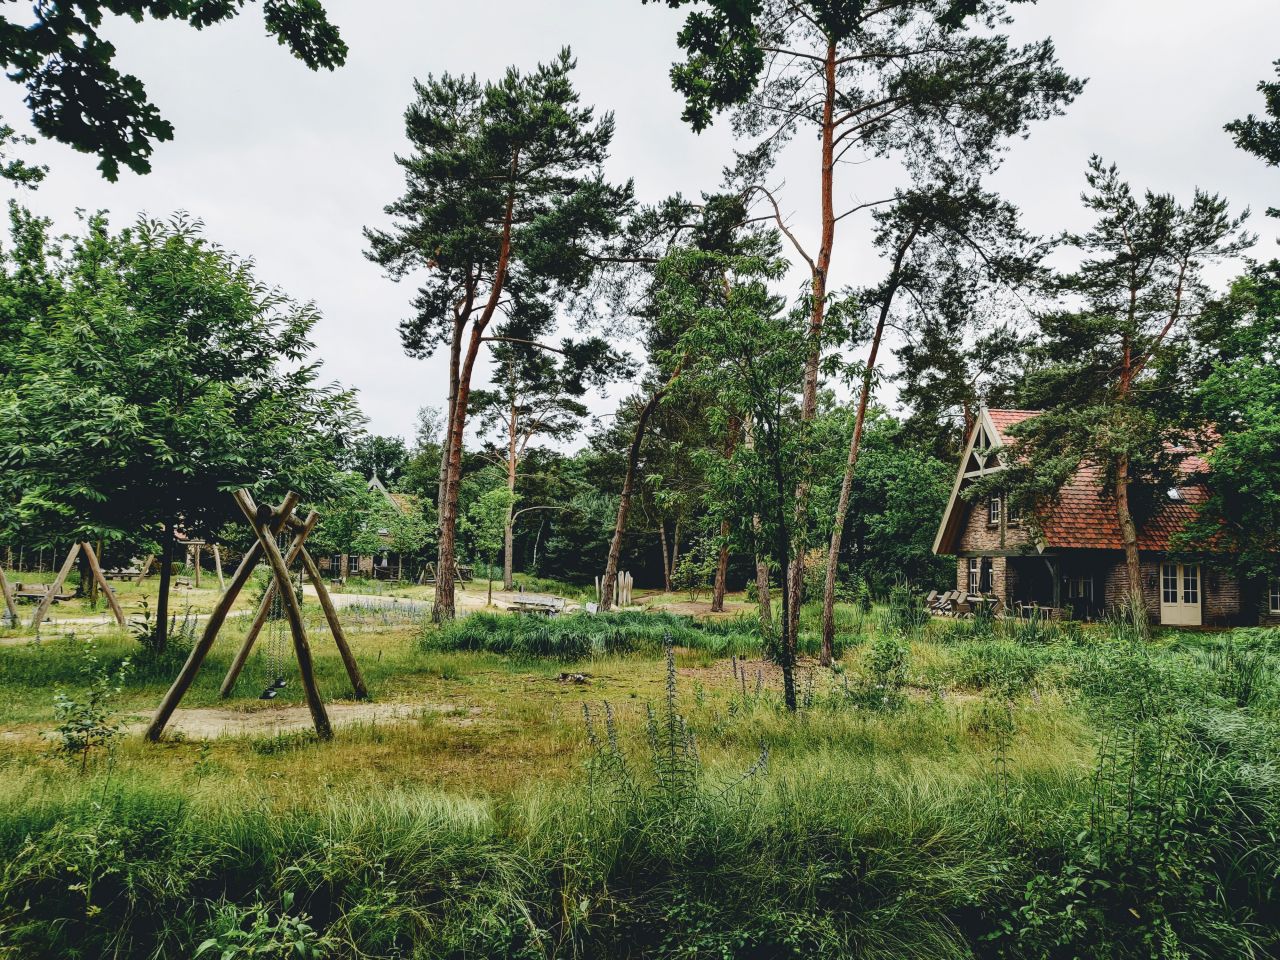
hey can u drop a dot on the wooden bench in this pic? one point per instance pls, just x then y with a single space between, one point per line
122 574
544 606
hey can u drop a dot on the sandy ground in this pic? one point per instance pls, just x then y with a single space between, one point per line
206 723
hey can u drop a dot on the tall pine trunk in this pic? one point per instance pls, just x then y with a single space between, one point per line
666 556
817 319
722 570
851 463
610 579
508 531
1132 560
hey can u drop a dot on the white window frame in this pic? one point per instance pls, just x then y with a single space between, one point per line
1191 583
1274 595
993 511
974 580
1169 583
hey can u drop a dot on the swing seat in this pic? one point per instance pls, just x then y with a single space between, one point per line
268 694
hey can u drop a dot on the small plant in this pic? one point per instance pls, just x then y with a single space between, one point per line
88 725
694 571
887 659
252 932
905 614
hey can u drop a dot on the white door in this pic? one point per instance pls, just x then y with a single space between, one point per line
1180 594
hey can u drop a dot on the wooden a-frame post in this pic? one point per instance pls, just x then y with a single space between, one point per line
264 610
101 578
293 610
201 650
302 529
42 610
12 611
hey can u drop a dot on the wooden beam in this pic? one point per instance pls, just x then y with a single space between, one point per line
293 611
219 615
195 549
42 610
101 579
264 610
8 599
217 565
335 626
146 567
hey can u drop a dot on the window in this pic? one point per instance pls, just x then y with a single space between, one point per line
1275 595
1079 588
353 563
1169 582
993 511
975 574
1191 584
1014 514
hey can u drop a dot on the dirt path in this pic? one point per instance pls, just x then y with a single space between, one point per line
207 723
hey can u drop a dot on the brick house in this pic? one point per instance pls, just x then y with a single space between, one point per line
387 564
1077 564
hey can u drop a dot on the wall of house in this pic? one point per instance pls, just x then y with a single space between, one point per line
978 536
1219 593
1003 577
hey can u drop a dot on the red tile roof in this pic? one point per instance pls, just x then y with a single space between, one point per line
1084 516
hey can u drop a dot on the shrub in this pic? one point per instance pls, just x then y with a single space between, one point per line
1006 669
87 724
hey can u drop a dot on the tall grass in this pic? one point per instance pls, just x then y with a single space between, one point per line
579 636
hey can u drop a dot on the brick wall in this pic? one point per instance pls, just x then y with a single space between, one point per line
1219 593
978 536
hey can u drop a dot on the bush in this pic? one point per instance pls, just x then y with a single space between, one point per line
1006 669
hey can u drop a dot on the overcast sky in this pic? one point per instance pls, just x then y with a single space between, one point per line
287 166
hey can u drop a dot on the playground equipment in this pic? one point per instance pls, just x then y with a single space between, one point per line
268 524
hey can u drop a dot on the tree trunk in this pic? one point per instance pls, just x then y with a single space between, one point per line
817 318
851 463
762 592
610 579
722 570
1132 561
722 562
675 552
162 601
508 531
666 556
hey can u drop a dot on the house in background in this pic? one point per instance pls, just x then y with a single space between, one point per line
386 564
1076 566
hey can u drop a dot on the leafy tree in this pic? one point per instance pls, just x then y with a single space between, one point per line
1102 375
158 375
1261 136
931 84
504 214
485 523
1235 365
15 169
737 336
371 455
78 95
537 394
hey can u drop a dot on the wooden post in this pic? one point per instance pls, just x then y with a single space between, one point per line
195 549
146 567
264 610
101 580
217 565
201 650
335 626
8 599
42 610
293 611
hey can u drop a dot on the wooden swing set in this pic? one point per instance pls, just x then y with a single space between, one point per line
45 596
267 524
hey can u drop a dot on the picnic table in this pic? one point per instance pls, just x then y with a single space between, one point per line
38 591
122 574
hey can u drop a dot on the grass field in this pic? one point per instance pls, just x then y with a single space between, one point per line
523 790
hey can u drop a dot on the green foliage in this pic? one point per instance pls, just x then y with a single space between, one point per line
1006 669
580 635
171 372
887 660
87 725
1261 135
695 569
79 96
239 933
